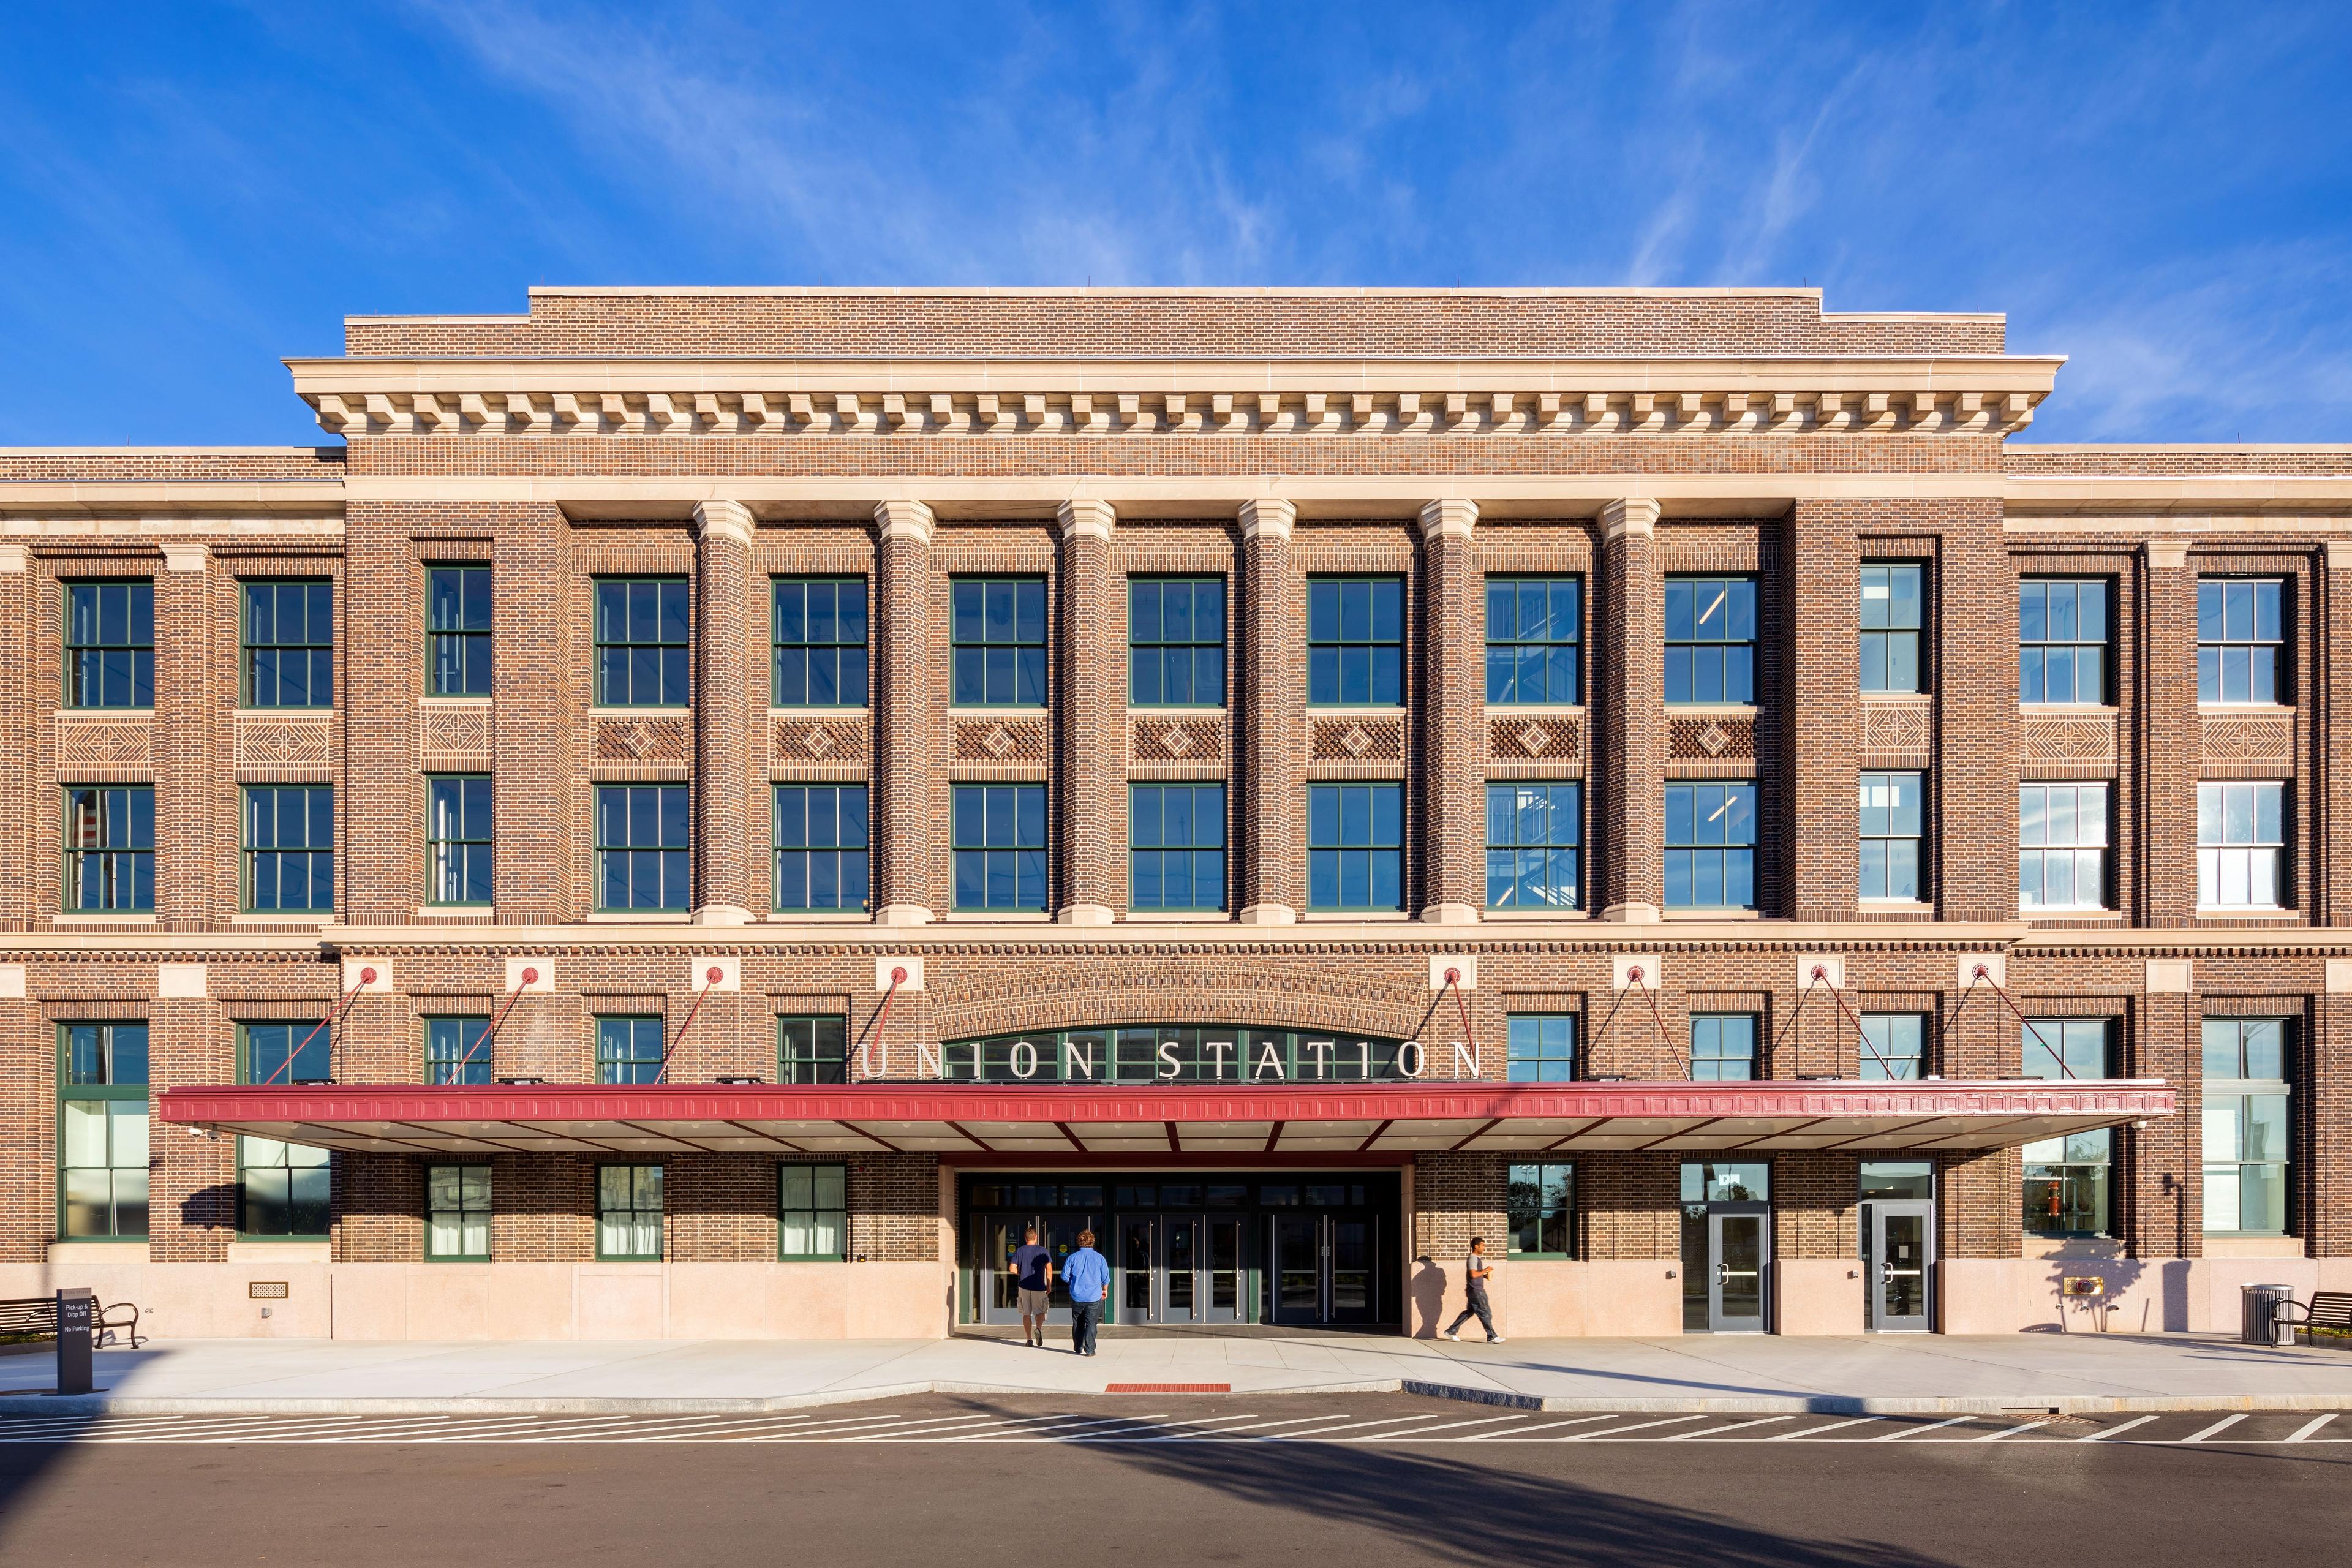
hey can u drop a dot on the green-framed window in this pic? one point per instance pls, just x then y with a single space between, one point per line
643 631
110 644
457 838
813 1214
1176 847
2062 640
1711 639
1541 1047
283 1190
999 846
999 637
1535 637
628 1048
1355 846
629 1212
288 644
289 848
455 1051
1723 1047
109 849
1541 1205
818 628
1355 642
458 630
643 858
102 1131
282 1053
1176 642
1893 1046
2068 1185
821 846
2247 1100
458 1213
811 1049
2240 635
1891 614
1710 846
1533 835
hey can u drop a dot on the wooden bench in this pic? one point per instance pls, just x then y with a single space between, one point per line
2325 1310
36 1317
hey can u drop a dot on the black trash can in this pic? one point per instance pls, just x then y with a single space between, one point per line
2258 1314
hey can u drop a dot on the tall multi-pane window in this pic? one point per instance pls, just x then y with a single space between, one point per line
457 838
289 848
999 634
111 645
629 1212
643 642
821 848
458 630
1540 1208
1710 846
1711 639
2067 1185
1355 642
2061 846
1894 1044
458 1213
457 1051
1533 836
1355 846
283 1189
1535 634
812 1213
2062 640
999 846
109 849
819 625
2246 1101
643 860
1176 847
1176 642
289 644
1542 1047
1722 1047
811 1050
628 1050
2239 630
1891 830
1891 618
281 1053
2241 846
103 1131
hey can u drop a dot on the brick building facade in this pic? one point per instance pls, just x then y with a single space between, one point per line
1671 934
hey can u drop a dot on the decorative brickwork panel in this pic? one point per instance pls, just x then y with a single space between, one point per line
1896 732
2069 738
836 745
1178 743
1711 738
1553 740
276 745
667 739
1348 739
452 736
95 750
1001 742
2239 740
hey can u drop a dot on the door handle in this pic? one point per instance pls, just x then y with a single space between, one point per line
1887 1274
1722 1273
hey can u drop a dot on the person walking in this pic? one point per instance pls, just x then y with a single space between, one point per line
1087 1273
1475 1288
1033 1279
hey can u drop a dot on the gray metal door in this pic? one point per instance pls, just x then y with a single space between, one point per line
1900 1267
1740 1254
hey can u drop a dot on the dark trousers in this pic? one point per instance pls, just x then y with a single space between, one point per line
1477 1308
1084 1316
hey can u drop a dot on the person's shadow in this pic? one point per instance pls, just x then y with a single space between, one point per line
1428 1299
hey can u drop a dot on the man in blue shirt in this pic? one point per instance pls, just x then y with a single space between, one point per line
1089 1277
1033 1278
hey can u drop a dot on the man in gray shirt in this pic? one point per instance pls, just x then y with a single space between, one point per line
1475 1286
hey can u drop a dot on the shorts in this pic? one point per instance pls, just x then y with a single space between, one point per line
1035 1303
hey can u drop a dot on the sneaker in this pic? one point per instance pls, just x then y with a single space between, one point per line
1455 1337
1493 1339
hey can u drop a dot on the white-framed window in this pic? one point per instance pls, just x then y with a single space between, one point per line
2062 847
1891 831
2241 846
2247 1096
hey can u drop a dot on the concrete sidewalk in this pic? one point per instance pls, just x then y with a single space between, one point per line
1875 1374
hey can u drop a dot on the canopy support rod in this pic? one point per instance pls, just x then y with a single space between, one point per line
711 977
367 978
530 978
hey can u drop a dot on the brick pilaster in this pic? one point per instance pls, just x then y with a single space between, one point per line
724 722
195 700
2325 1076
1631 697
537 806
379 793
1454 710
2159 1199
1090 705
2170 731
908 741
2329 706
1820 716
1273 715
19 728
1972 794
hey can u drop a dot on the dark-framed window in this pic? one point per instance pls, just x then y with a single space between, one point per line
819 628
1355 846
999 642
644 627
109 849
2241 629
2068 1189
102 1131
1533 836
458 836
458 1213
283 1189
811 1049
110 644
1723 1047
813 1213
2241 846
1355 642
458 630
1176 847
821 848
628 1048
2248 1096
1711 639
2062 847
643 856
289 848
454 1050
629 1212
278 1052
1893 828
1893 1046
289 644
1541 1047
1710 846
999 846
1535 636
1540 1204
1176 642
1893 595
2061 639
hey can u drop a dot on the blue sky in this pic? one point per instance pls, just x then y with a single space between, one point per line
188 192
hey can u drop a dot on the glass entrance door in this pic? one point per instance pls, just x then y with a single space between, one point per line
1297 1264
1000 1236
1223 1274
1739 1247
1901 1246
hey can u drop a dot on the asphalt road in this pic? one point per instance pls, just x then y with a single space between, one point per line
1134 1482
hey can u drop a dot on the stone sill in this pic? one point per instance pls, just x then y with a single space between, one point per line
453 701
81 920
1712 710
1171 917
251 919
1010 710
818 917
2226 1246
1348 917
1002 917
1177 710
641 711
640 917
1710 915
1509 917
1895 907
2246 708
455 912
839 711
2223 912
